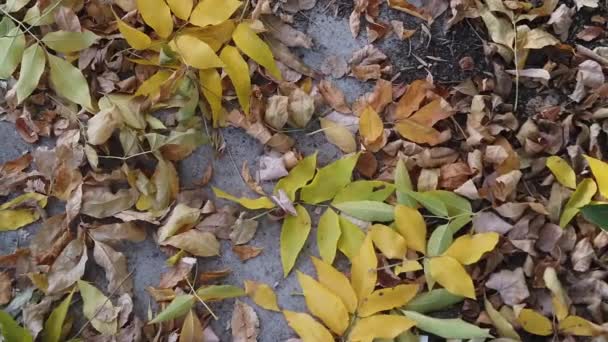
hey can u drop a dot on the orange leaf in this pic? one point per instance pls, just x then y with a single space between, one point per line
433 112
420 134
411 101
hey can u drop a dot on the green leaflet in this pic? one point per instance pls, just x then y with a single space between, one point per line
294 233
298 176
364 190
12 44
329 180
54 324
403 183
431 203
504 328
596 214
32 66
368 210
178 307
11 331
433 300
440 240
351 238
69 82
67 42
447 328
328 235
582 196
219 292
93 301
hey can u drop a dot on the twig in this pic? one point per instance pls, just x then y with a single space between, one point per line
128 157
27 30
201 300
516 60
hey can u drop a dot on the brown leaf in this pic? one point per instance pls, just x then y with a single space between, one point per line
251 183
487 221
335 66
366 72
100 202
272 167
367 55
400 31
510 284
192 330
381 96
454 175
68 267
590 33
210 276
117 232
35 314
286 34
334 96
243 230
6 288
367 164
582 255
177 273
247 252
412 99
203 244
114 264
244 323
219 223
421 134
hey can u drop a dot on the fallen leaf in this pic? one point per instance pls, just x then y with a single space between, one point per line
306 327
98 309
336 282
334 96
448 272
388 241
114 264
410 224
582 196
258 203
562 171
262 295
328 235
380 327
468 249
68 267
387 299
202 244
157 15
363 269
244 323
511 285
192 330
447 328
339 135
254 47
329 180
534 323
213 12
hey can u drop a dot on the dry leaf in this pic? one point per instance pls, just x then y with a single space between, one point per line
510 284
244 323
334 96
247 252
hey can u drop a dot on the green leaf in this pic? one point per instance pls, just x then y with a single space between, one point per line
368 210
15 5
504 328
329 180
32 66
440 240
447 328
455 204
433 300
596 214
364 190
294 233
298 176
54 324
431 203
219 292
328 235
351 238
34 17
11 331
95 301
581 197
178 307
403 183
67 41
12 44
69 82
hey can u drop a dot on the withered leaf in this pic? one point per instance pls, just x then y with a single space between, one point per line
177 273
510 284
68 267
114 264
244 323
334 96
203 244
247 252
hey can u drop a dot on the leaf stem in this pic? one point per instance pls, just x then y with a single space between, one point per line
201 300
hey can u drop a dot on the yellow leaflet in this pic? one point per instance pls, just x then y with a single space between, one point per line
329 180
135 38
213 12
69 82
152 84
380 326
411 226
339 135
578 326
307 328
370 124
351 238
157 15
408 266
254 47
262 295
29 196
559 297
249 203
68 42
324 304
562 171
238 71
504 328
197 53
328 234
388 241
211 87
386 299
448 272
600 172
298 176
363 272
581 197
534 323
11 219
181 8
192 330
294 233
468 249
216 36
336 282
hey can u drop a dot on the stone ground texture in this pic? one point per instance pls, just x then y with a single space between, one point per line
331 36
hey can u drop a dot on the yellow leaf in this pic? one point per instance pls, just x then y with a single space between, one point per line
157 15
211 86
329 180
535 323
448 272
336 282
12 219
298 176
262 295
363 269
578 326
562 171
380 326
600 172
254 47
181 8
192 330
581 197
386 299
328 235
307 328
152 85
213 12
68 81
294 233
370 124
468 249
67 41
408 266
249 203
388 241
351 238
216 36
559 298
504 328
410 224
238 71
197 53
339 135
418 133
135 38
324 304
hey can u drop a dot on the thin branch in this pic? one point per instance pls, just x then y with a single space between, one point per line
201 300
